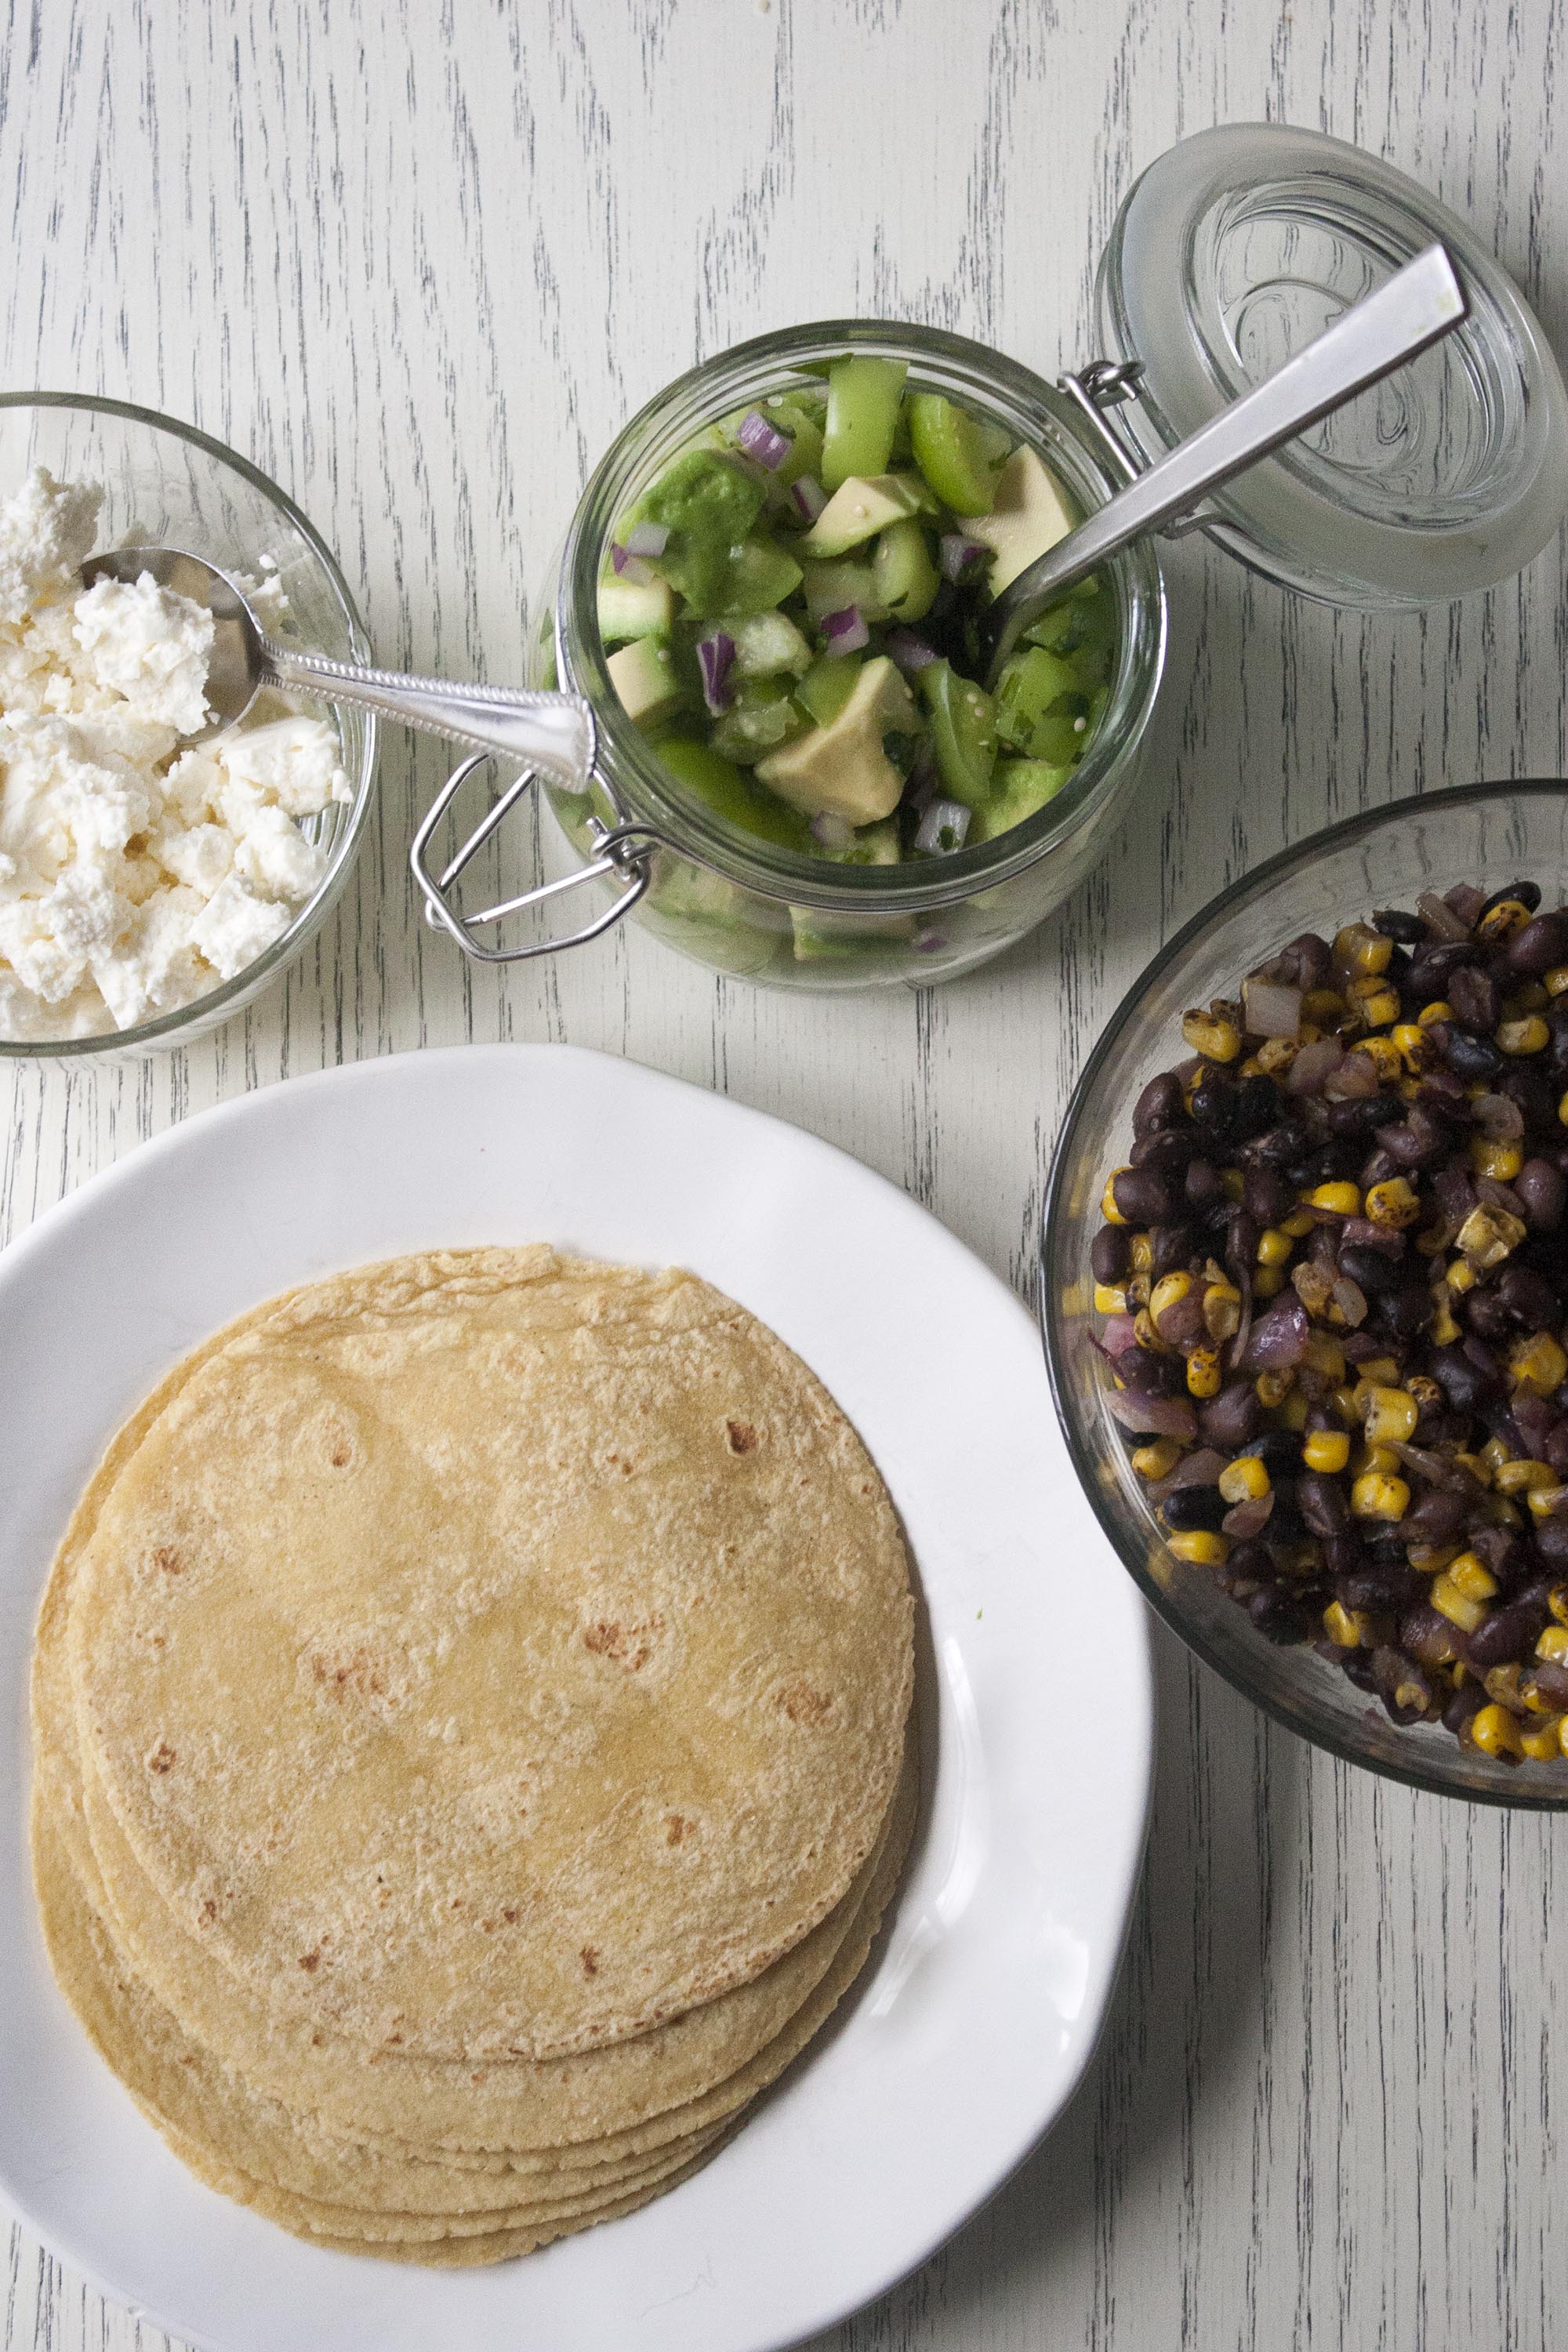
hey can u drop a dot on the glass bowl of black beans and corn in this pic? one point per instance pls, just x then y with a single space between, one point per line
1304 1289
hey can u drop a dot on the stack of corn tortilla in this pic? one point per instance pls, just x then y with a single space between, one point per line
471 1745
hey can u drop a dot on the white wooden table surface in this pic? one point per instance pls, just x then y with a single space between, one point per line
420 260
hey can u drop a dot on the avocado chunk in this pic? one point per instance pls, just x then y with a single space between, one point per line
635 608
1030 514
842 769
643 674
857 510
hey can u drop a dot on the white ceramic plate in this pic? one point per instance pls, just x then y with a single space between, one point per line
990 1984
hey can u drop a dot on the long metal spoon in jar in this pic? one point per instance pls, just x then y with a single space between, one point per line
552 733
1417 305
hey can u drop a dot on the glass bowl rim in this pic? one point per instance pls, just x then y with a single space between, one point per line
1284 863
781 874
168 1027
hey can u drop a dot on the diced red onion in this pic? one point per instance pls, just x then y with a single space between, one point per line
1351 1299
1277 1340
942 816
1437 1469
1313 1064
1157 1416
846 632
911 653
762 440
809 496
1439 917
1535 1415
1119 1335
1355 1079
929 942
830 831
716 653
956 552
1272 1010
628 566
647 539
1466 901
1499 1120
1497 1195
1246 1519
1200 1468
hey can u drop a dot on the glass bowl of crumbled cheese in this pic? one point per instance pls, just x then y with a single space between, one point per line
155 876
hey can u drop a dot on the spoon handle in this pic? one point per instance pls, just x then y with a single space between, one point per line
550 732
1413 308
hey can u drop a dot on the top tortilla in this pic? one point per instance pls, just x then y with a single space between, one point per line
491 1655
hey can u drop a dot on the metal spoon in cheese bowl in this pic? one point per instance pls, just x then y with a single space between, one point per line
550 732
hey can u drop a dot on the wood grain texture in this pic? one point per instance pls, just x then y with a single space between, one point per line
420 260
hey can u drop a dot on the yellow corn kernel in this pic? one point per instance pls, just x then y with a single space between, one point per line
1213 1036
1378 1373
1489 1235
1375 1458
1344 1199
1557 1601
1168 1292
1362 950
1502 1161
1384 1055
1529 1036
1545 1502
1378 1495
1430 1560
1297 1225
1557 980
1271 1389
1480 1469
1326 1449
1377 1003
1495 1453
1322 1004
1268 1282
1204 1377
1444 1329
1203 1550
1222 1310
1293 1411
1157 1459
1325 1355
1138 1287
1552 1645
1494 1731
1523 1477
1459 1275
1108 1208
1412 1043
1538 1363
1430 1014
1273 1247
1109 1299
1307 1032
1233 1183
1473 1578
1342 1402
1501 1683
1142 1253
1391 1416
1146 1332
1501 922
1563 1734
1540 1741
1244 1480
1275 1056
1563 1108
1341 1626
1456 1606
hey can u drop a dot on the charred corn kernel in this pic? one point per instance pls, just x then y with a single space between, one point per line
1480 1469
1322 1004
1391 1416
1275 1056
1222 1310
1428 1559
1489 1235
1494 1731
1473 1578
1146 1332
1557 1601
1203 1550
1502 1161
1430 1014
1443 1330
1363 949
1297 1225
1109 1299
1271 1389
1377 1003
1529 1036
1457 1606
1341 1626
1342 1200
1326 1449
1557 980
1204 1377
1412 1043
1137 1287
1142 1253
1495 1454
1540 1741
1552 1645
1378 1495
1244 1480
1384 1055
1424 1390
1501 922
1273 1246
1213 1036
1268 1281
1538 1363
1108 1208
1168 1292
1459 1275
1523 1477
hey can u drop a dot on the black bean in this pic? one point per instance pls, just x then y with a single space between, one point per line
1439 1514
1407 1311
1468 1056
1213 1102
1356 1667
1111 1252
1255 1109
1387 1586
1170 1247
1486 1315
1467 1700
1159 1105
1166 1150
1503 1551
1266 1196
1140 1196
1279 1450
1526 892
1323 1504
1193 1508
1342 1554
1540 945
1426 1633
1369 1267
1434 963
1249 1563
1544 1190
1551 1540
1463 1382
1550 1681
1277 1616
1529 1298
1395 924
1228 1420
1476 998
1278 1146
1509 1634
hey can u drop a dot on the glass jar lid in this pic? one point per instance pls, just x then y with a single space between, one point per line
1238 247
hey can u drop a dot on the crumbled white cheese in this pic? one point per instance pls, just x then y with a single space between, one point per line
134 875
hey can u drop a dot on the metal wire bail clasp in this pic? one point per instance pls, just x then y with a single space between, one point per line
622 850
